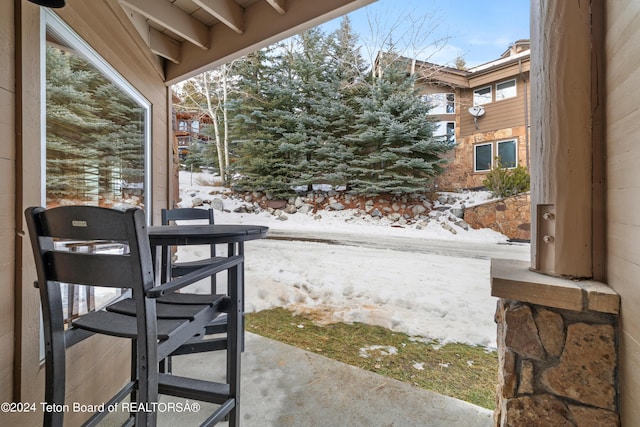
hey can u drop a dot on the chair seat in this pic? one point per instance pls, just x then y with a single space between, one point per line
175 310
122 325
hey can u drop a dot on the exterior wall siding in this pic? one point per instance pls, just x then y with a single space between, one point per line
623 187
7 198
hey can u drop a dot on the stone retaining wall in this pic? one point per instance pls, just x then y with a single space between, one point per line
510 216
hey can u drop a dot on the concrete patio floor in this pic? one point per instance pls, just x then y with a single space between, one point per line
284 386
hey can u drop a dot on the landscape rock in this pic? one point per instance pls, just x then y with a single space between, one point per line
217 204
337 206
462 225
305 209
457 212
449 228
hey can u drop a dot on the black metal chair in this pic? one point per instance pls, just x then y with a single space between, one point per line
149 318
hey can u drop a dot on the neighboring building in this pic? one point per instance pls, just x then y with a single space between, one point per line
187 128
498 126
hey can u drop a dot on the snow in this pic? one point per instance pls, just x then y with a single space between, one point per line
436 297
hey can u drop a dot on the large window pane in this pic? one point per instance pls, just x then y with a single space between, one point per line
482 96
441 103
505 90
507 153
483 157
97 127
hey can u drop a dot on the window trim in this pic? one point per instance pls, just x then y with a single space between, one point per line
448 137
495 150
475 157
490 87
515 88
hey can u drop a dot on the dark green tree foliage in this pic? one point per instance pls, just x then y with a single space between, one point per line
310 116
264 92
394 150
95 137
307 112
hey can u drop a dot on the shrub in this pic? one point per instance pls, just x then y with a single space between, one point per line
504 182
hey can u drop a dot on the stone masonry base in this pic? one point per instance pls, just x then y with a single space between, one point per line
557 365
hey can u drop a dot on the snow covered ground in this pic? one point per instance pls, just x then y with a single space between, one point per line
423 294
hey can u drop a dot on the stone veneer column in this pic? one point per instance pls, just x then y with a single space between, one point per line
557 349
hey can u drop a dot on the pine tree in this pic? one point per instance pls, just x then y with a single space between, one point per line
264 91
394 148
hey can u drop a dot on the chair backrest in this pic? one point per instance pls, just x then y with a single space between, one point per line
56 263
50 228
181 214
189 214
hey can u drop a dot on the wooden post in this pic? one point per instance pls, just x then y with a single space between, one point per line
562 138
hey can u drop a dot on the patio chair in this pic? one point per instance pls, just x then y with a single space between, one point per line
178 269
155 326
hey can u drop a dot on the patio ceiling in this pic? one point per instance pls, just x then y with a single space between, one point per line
191 36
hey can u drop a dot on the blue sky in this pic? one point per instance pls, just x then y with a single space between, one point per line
479 31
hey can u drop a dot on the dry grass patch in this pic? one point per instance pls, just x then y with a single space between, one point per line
465 372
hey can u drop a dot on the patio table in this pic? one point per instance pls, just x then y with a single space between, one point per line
206 234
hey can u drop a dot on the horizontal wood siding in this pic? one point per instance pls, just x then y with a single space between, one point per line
502 114
7 199
623 190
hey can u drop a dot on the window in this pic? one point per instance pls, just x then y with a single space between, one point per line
97 127
482 96
483 157
97 142
441 103
507 153
505 90
446 131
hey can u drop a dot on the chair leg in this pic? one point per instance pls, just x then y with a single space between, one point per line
55 358
147 376
235 340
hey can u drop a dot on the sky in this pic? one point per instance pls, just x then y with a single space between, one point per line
477 31
435 296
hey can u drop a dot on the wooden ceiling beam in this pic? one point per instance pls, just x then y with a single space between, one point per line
279 5
228 12
173 19
164 46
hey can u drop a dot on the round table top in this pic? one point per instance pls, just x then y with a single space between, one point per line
204 234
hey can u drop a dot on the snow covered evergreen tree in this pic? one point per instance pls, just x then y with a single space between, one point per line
265 92
394 148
